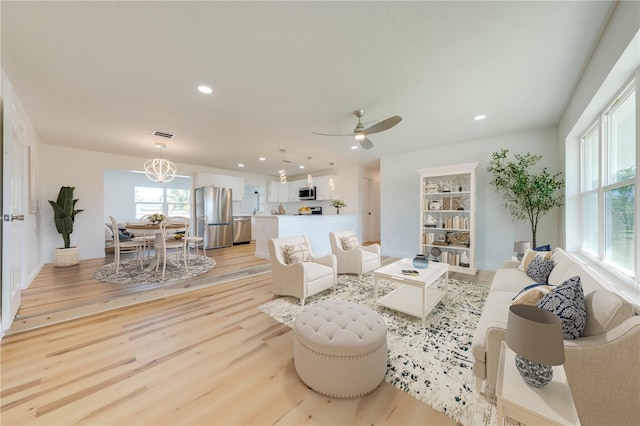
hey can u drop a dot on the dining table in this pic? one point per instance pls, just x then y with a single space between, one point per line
154 229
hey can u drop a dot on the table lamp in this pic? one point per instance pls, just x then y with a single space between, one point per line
535 335
519 247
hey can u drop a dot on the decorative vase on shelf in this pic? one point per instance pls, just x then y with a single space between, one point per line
420 261
337 211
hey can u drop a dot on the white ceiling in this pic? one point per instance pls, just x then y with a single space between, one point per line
103 75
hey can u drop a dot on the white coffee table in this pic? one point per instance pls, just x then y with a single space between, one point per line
416 296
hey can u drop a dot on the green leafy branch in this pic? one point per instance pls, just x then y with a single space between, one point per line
528 195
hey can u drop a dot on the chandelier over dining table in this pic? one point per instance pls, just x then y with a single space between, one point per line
160 169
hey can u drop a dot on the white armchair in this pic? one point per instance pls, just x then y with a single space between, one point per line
359 260
304 278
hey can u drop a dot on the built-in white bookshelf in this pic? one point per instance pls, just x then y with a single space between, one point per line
447 216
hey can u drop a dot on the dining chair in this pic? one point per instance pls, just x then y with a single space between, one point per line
197 240
119 247
147 239
169 241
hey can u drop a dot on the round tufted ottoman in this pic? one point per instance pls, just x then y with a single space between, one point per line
340 348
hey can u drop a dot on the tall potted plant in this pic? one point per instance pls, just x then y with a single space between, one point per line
527 195
64 214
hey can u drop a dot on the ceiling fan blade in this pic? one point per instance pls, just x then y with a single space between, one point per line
383 125
332 134
366 144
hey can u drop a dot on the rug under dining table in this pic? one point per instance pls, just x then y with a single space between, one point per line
130 272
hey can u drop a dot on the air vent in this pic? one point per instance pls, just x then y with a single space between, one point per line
163 134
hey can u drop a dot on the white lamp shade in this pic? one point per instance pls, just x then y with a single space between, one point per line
521 246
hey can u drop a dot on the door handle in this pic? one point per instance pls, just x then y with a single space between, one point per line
17 217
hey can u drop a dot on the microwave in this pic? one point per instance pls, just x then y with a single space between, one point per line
307 193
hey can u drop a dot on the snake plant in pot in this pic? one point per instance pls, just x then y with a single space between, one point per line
64 214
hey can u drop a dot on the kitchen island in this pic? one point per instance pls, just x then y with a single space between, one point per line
315 227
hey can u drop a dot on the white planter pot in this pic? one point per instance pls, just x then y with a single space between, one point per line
66 256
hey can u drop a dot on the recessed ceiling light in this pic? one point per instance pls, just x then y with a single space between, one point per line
354 147
302 167
160 145
205 89
240 164
479 117
262 159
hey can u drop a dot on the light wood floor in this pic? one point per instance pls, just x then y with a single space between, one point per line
205 357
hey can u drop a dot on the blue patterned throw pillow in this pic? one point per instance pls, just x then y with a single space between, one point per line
567 302
539 269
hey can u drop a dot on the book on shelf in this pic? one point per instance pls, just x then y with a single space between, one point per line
457 222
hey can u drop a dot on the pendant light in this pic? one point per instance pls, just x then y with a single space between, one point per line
159 169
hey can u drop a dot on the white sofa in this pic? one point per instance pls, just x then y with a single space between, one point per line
602 366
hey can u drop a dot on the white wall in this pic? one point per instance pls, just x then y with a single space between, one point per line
495 230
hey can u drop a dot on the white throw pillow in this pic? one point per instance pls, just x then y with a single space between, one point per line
297 253
349 242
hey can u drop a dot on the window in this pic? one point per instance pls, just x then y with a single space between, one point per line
168 201
589 166
607 185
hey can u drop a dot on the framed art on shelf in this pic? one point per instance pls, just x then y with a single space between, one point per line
33 180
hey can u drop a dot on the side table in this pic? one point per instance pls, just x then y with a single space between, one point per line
548 405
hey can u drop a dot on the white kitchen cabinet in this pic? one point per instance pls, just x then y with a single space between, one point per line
278 192
294 188
202 179
236 183
326 187
220 181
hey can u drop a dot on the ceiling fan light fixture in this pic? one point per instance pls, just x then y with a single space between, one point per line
359 136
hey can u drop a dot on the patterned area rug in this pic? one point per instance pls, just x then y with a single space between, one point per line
433 364
130 273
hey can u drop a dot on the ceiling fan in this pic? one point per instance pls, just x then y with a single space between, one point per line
361 133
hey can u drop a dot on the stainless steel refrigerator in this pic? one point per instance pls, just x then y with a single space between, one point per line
215 203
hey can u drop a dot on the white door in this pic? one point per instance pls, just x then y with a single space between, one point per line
365 200
13 214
